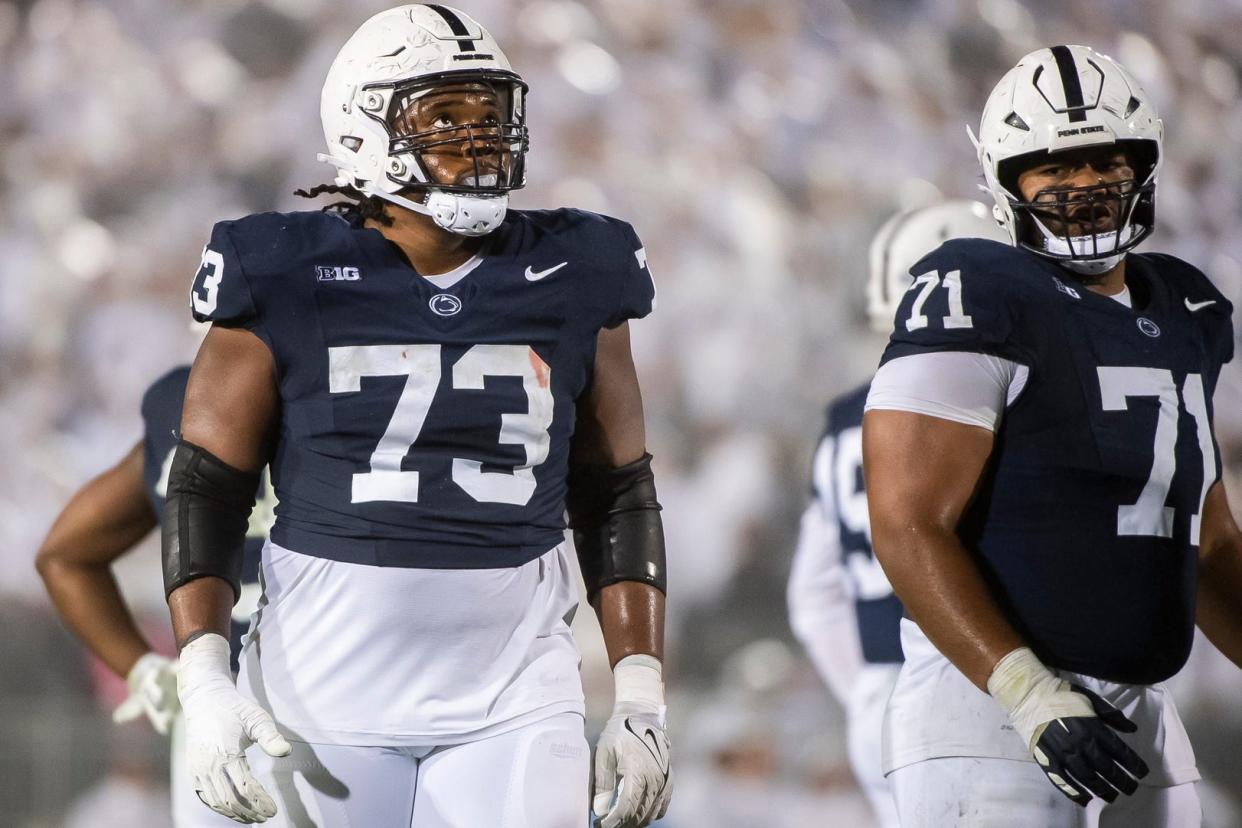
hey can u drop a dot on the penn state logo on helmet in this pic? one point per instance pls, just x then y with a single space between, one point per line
384 142
1065 98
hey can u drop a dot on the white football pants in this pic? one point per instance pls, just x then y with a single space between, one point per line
535 776
960 792
954 759
865 711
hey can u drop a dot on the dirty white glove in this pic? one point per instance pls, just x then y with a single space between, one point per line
633 781
219 725
152 691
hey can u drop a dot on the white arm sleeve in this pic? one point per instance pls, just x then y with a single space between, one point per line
821 603
961 386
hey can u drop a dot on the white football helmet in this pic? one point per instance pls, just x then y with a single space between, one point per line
909 236
1063 98
395 58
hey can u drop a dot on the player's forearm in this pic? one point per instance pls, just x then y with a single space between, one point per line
103 521
1218 607
825 621
1219 615
631 616
943 591
201 606
90 604
822 611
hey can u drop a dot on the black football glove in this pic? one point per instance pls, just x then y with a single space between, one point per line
1067 728
1082 755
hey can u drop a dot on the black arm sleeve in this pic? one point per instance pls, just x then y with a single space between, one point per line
615 518
205 518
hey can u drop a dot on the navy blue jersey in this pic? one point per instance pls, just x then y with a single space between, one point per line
424 426
838 486
161 418
1086 524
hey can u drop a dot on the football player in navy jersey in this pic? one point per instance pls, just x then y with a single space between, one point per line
434 378
1043 479
105 519
841 605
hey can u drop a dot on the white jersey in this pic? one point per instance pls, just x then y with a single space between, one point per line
935 712
345 653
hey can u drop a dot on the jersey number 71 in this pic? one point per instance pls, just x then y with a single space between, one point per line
1148 515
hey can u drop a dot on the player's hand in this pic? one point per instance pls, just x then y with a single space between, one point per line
152 691
1082 756
633 779
219 725
633 782
1068 729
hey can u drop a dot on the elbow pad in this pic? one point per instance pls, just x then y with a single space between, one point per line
205 518
615 518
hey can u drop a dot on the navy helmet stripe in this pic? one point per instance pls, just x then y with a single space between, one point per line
1070 82
458 28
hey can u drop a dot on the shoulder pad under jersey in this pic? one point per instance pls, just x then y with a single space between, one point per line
618 281
974 295
247 260
1192 289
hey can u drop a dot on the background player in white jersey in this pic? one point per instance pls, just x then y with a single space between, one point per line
1043 479
417 363
841 605
106 519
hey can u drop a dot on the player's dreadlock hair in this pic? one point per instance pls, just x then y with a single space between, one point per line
358 202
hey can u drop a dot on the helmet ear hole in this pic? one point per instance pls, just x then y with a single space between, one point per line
351 142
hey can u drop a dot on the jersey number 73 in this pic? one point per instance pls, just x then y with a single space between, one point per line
421 366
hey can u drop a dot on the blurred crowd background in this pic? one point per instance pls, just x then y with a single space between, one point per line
755 144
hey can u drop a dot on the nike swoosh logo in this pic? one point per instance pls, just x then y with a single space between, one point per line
535 275
652 743
1190 306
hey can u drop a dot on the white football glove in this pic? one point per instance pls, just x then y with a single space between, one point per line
633 779
152 691
219 725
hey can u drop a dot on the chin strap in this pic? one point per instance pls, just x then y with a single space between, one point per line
465 215
1070 251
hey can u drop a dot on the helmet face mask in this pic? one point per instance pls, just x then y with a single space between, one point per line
1095 222
1059 103
461 134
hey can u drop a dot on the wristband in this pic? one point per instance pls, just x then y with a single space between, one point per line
1032 695
639 684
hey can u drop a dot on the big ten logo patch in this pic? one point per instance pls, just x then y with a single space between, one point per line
329 273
